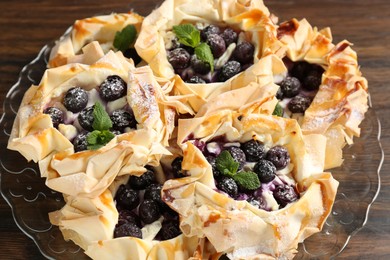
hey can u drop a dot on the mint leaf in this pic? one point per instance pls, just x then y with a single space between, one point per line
226 164
101 120
278 111
187 34
97 139
247 180
125 38
92 137
203 52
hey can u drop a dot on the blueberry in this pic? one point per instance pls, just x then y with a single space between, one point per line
131 53
299 104
121 119
217 45
75 99
169 230
230 69
209 30
290 87
143 181
176 168
127 197
238 155
285 194
257 202
213 162
229 186
80 142
243 53
300 70
127 216
199 66
229 36
313 80
254 150
179 58
279 94
149 211
279 156
112 88
56 115
153 192
170 215
86 118
127 230
265 170
196 80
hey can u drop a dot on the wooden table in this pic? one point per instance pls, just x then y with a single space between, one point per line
27 25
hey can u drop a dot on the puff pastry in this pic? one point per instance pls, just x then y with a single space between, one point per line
101 29
86 173
249 16
342 99
236 227
90 224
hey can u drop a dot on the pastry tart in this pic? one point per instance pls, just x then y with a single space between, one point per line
122 222
324 89
102 29
86 124
245 219
218 32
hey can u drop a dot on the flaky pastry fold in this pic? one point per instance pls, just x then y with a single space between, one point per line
259 78
90 223
101 29
342 100
90 172
236 227
252 17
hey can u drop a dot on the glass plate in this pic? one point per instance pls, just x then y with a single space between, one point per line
27 195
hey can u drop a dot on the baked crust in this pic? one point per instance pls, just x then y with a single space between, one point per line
90 223
342 100
236 227
249 16
101 29
89 173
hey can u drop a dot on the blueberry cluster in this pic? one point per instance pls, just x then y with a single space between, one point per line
193 70
139 203
303 79
76 100
253 156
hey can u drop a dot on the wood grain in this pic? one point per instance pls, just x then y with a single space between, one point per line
26 26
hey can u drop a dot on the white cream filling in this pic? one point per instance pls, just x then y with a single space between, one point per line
116 104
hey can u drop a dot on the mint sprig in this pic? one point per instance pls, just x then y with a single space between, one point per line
101 120
203 52
278 111
101 125
125 38
228 166
97 139
247 180
188 35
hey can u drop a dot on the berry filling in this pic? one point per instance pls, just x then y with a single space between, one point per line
298 89
253 172
139 204
75 116
207 53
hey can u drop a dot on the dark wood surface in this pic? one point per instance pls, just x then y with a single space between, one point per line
26 26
